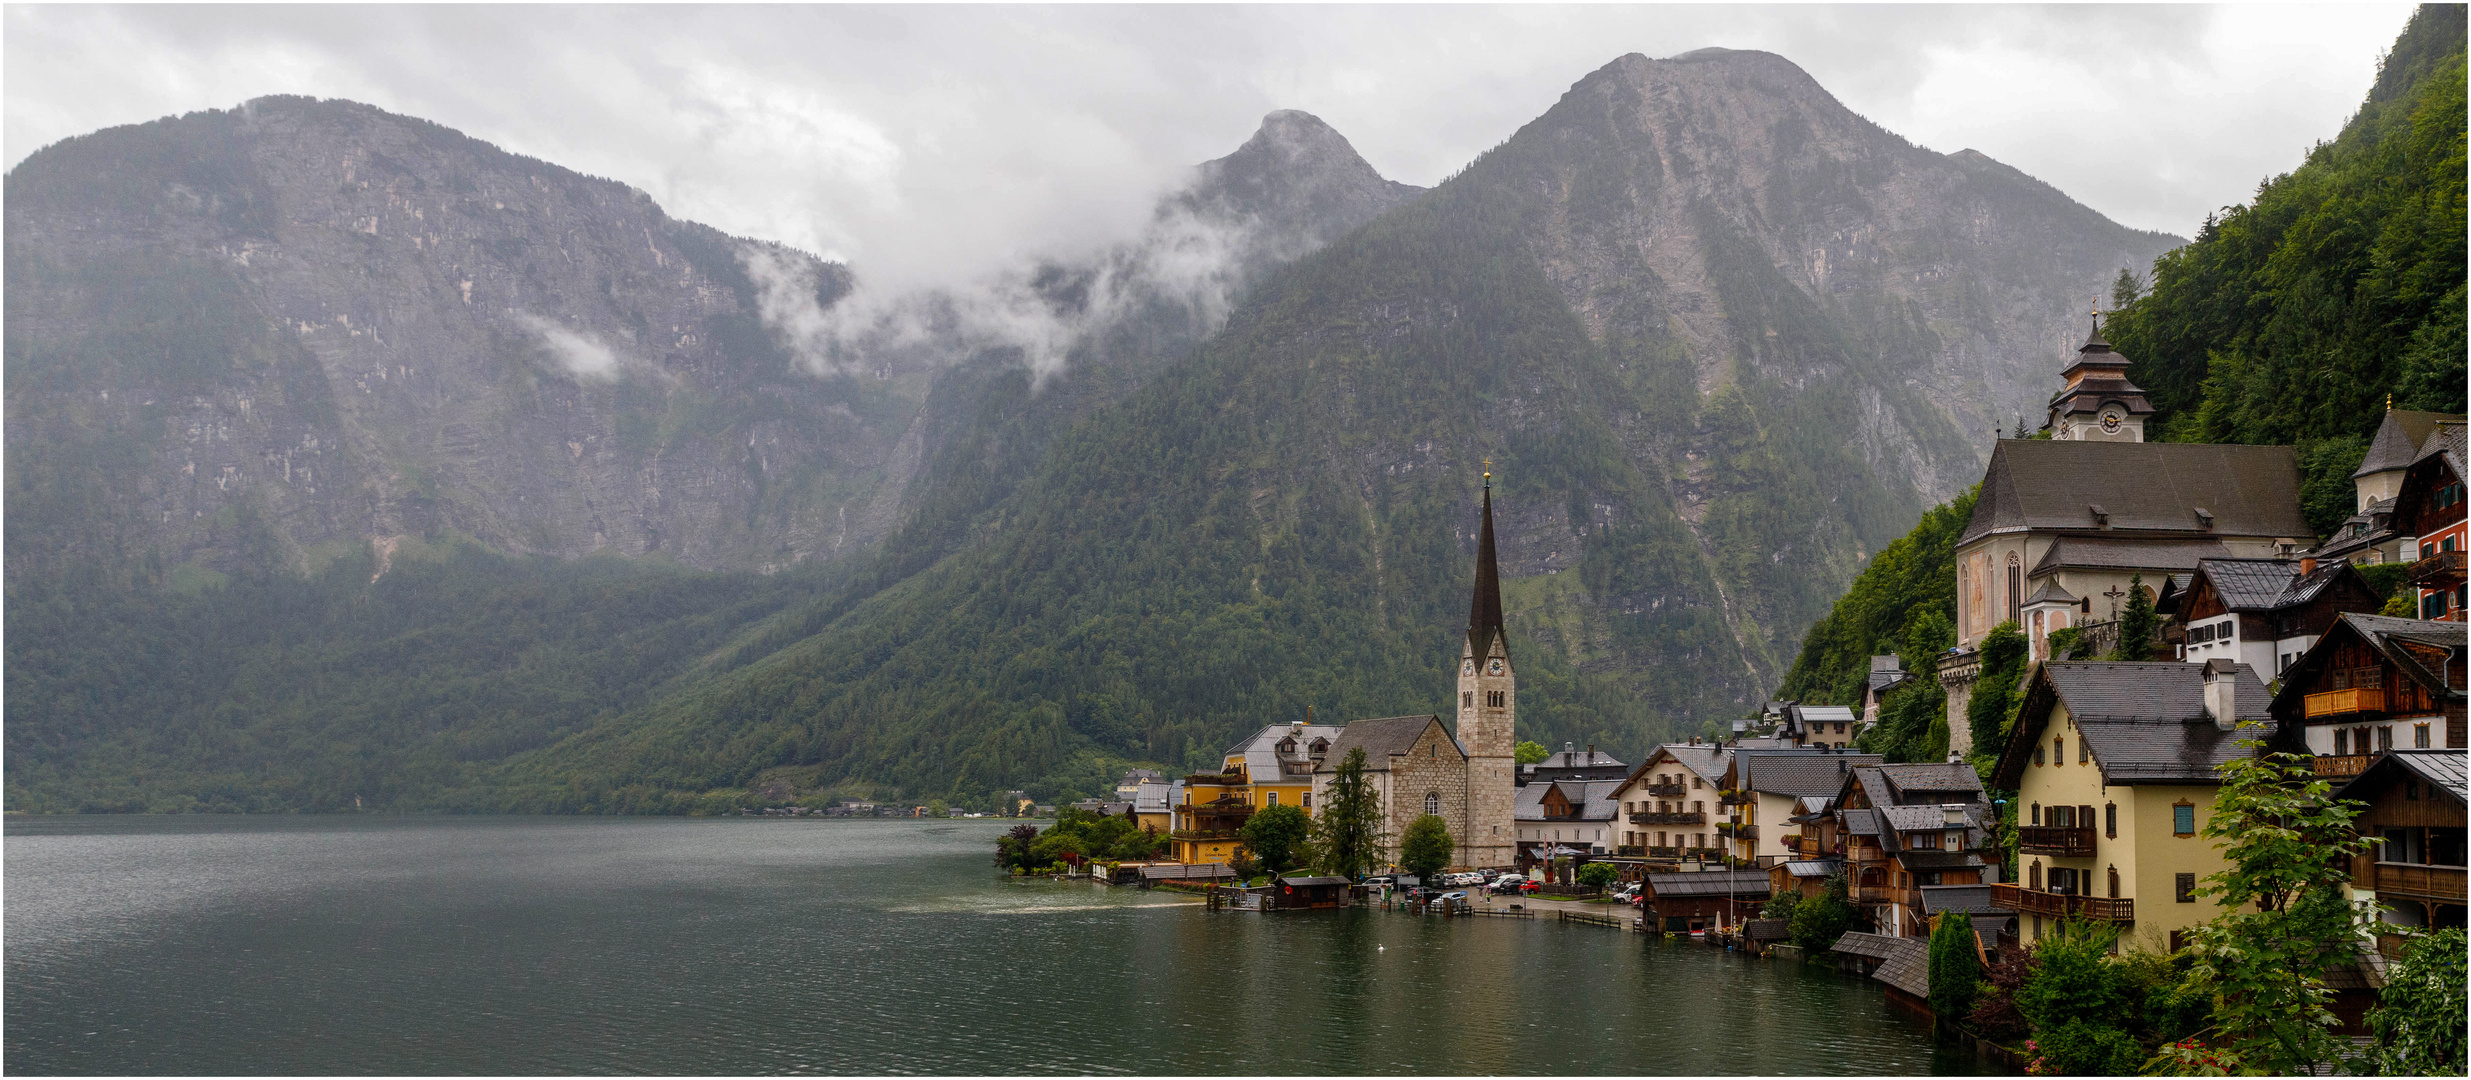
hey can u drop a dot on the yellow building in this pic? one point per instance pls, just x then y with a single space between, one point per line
2113 765
1273 768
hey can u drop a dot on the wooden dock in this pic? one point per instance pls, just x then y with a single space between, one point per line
1591 918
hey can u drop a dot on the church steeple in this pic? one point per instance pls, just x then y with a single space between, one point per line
1484 611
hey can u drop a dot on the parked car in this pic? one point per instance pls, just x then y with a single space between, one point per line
1526 886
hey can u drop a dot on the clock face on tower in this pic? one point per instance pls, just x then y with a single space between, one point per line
2111 419
1467 667
1494 668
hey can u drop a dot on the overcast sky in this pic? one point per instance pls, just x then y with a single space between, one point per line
928 142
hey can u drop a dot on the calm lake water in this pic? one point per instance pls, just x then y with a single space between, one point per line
531 945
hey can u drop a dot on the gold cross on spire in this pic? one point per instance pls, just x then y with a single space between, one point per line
1488 470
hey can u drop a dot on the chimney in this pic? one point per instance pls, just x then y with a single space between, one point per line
2222 693
2307 565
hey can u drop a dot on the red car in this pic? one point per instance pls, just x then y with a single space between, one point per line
1526 887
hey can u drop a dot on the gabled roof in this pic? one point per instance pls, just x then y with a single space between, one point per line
2447 442
1872 946
1970 899
2139 487
2264 585
2387 636
1741 884
1381 739
1795 773
2050 593
2145 722
1260 752
2398 440
1592 799
1805 715
2439 769
2162 556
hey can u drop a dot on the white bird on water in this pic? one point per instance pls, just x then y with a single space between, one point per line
1381 948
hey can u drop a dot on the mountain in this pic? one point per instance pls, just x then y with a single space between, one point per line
270 334
2294 317
1721 338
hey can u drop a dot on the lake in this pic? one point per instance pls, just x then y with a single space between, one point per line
634 945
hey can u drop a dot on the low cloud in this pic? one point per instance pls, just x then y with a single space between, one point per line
579 353
1045 309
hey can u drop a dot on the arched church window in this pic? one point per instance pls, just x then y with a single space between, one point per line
1432 802
2016 586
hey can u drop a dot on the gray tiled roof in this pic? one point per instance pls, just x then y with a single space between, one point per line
2398 440
2127 553
1914 818
2438 768
2267 584
2146 722
2050 593
1908 968
1261 753
1874 946
1795 773
1861 823
1380 739
1743 884
1820 714
2036 484
1971 899
1592 798
1920 860
1814 868
2446 441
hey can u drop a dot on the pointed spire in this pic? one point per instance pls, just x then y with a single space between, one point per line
1484 611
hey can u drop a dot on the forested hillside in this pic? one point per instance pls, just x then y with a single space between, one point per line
2289 319
2294 318
1720 336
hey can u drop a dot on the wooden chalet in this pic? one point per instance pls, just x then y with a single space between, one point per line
2429 505
2373 684
1703 900
2416 805
2263 612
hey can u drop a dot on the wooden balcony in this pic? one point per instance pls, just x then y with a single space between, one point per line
1665 818
2055 839
1737 798
2358 699
2414 880
2344 765
1742 831
2019 899
1666 791
2442 570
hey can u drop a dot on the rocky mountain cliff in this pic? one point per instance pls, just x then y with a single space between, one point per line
1720 337
249 339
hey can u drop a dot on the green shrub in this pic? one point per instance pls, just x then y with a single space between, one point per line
2086 1048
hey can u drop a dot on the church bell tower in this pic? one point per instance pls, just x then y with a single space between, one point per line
1488 711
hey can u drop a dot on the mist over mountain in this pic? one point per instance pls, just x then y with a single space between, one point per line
1721 337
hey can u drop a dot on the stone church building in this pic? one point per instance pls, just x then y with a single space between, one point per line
1419 767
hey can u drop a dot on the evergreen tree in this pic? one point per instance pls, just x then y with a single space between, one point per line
1955 966
1347 837
2137 624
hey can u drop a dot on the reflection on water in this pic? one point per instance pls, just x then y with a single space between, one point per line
361 945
